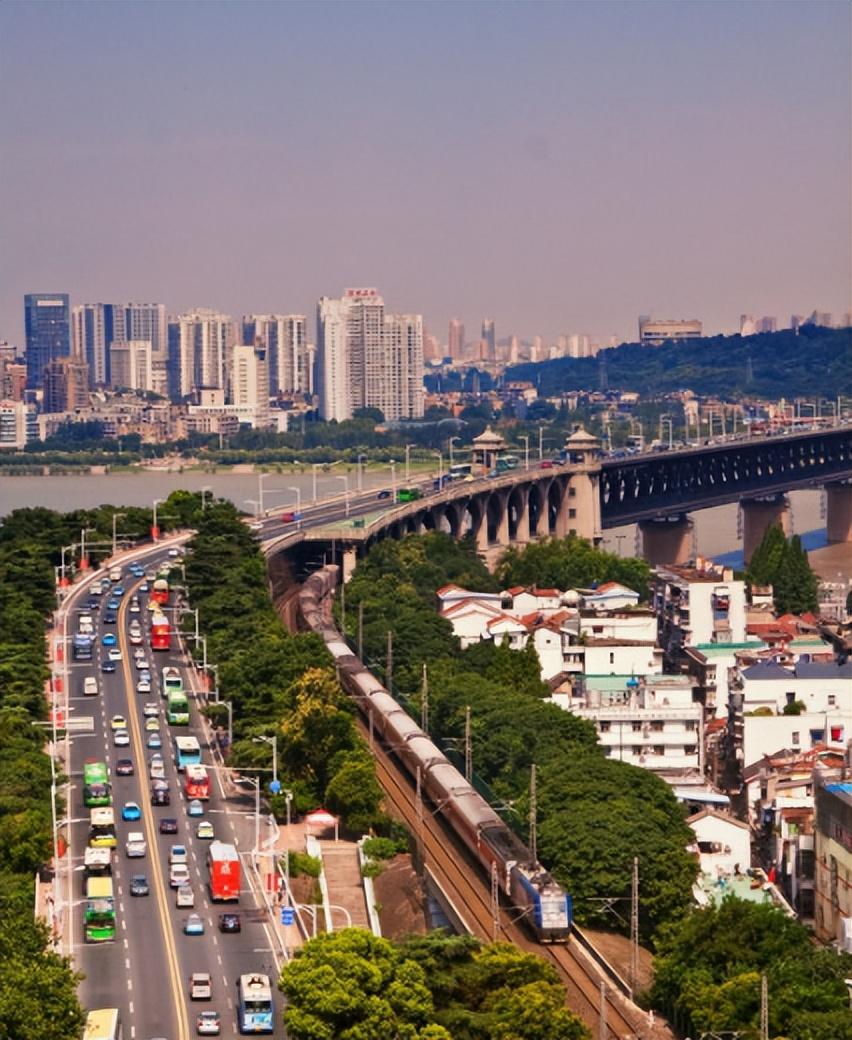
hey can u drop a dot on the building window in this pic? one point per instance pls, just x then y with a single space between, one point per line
832 700
637 727
657 727
572 513
612 658
603 727
689 724
572 492
637 750
659 749
690 749
794 737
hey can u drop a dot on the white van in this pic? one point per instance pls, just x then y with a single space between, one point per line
90 686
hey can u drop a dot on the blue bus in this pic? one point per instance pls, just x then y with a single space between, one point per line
254 1004
187 752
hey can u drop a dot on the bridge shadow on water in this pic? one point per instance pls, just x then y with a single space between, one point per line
811 540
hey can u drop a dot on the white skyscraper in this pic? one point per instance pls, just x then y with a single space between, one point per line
285 339
250 381
332 360
131 365
397 389
89 332
206 342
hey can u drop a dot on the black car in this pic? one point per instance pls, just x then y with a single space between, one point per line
229 922
110 617
168 825
107 665
93 604
384 494
138 885
124 767
160 796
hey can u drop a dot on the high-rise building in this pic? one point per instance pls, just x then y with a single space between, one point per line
658 331
285 338
455 341
18 424
92 325
748 326
767 324
13 379
367 359
206 341
250 381
489 334
132 365
537 351
66 385
48 332
97 326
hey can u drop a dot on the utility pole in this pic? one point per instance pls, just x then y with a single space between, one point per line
468 750
764 1008
361 631
634 928
602 1026
419 808
343 607
424 701
533 816
389 662
495 904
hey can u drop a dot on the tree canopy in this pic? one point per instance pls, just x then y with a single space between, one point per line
783 564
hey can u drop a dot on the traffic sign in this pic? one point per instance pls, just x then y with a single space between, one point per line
287 915
275 786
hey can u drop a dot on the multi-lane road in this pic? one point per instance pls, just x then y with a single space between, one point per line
145 970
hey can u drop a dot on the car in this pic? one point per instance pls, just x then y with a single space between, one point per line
174 552
144 675
139 653
113 604
124 767
195 808
178 854
107 666
108 639
150 709
384 493
156 768
193 925
545 464
136 570
256 526
154 741
200 986
144 586
150 575
178 875
204 830
142 666
135 846
160 793
152 724
139 885
110 617
90 686
121 738
168 825
118 722
134 608
289 517
93 603
114 653
118 590
185 897
131 811
230 922
135 638
207 1023
143 686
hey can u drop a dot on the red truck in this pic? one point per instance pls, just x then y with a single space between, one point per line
224 864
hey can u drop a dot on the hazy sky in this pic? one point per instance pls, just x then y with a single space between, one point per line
563 167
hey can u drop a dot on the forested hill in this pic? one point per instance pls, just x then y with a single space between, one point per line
817 361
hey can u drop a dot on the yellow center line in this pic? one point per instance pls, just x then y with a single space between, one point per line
148 816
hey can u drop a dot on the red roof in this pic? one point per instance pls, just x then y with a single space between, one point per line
516 590
546 592
448 588
457 606
607 585
502 618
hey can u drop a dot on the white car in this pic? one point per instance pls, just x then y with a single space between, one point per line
90 686
134 607
135 846
150 709
139 653
185 897
174 552
121 738
114 653
141 664
178 875
178 854
143 686
157 768
135 638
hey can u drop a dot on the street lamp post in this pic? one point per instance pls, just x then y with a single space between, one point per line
155 531
450 443
230 708
526 441
408 448
345 478
360 472
540 443
440 458
253 502
393 480
273 742
65 548
298 503
314 467
115 517
83 533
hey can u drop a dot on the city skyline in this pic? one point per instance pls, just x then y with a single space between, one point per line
669 164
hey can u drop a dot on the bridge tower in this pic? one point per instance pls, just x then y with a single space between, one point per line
838 513
759 514
580 509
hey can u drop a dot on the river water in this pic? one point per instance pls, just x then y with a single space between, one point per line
716 529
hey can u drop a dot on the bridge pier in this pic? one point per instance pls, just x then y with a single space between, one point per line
838 515
759 514
667 539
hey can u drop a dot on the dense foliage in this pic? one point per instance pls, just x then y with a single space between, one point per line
783 564
277 683
37 987
709 965
817 361
352 984
594 814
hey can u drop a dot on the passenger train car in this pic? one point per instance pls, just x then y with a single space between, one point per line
546 907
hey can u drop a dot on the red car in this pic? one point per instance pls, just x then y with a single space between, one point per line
290 517
545 464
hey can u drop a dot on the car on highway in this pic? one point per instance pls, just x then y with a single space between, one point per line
131 811
545 464
136 569
139 652
150 575
134 607
168 825
178 875
143 686
204 831
174 552
107 667
110 617
207 1023
200 986
384 493
185 897
290 517
121 738
124 767
108 639
194 925
154 741
135 846
195 808
142 666
256 526
160 793
144 586
178 854
113 604
150 709
157 768
90 686
135 638
139 885
152 723
93 603
230 922
118 590
118 722
114 653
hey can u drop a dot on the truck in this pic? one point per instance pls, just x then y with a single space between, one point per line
160 635
81 647
223 863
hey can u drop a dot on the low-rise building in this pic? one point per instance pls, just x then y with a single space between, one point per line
833 863
700 604
18 425
723 843
612 595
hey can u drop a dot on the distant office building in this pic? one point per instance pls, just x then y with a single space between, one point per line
47 324
514 350
767 323
206 341
13 379
489 335
250 382
285 338
367 359
537 351
659 331
93 332
578 346
97 326
18 425
796 321
131 365
822 318
455 340
748 326
66 385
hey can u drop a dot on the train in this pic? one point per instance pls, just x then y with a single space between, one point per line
544 906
